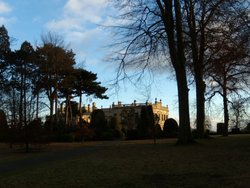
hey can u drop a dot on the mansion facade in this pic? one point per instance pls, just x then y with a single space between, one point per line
127 115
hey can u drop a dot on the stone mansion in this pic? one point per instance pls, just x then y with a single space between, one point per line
131 112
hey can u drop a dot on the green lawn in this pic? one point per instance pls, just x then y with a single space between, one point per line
216 162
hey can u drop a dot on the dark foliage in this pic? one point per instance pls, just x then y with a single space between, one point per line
83 132
132 135
158 132
3 126
170 129
248 127
146 125
31 78
220 128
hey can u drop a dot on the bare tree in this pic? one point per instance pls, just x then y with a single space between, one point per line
152 32
229 63
238 109
175 31
198 15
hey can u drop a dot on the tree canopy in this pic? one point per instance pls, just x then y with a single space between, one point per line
32 76
178 33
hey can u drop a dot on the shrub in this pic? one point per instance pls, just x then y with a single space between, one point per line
248 127
3 119
131 135
170 129
84 133
65 137
3 126
158 132
98 123
146 125
220 128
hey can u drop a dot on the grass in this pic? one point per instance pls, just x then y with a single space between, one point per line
216 162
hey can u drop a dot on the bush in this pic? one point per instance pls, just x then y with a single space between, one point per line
248 127
170 129
235 130
84 133
66 137
3 119
132 135
108 135
220 128
3 126
158 132
145 128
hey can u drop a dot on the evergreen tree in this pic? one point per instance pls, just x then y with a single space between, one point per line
146 125
4 53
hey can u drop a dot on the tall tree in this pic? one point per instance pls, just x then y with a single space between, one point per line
54 62
86 83
238 109
146 127
25 66
4 52
198 15
178 30
78 82
171 15
151 31
229 63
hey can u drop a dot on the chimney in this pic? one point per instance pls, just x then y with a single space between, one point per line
88 108
134 102
93 106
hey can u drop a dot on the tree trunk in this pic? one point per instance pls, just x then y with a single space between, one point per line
56 102
21 103
197 58
70 115
80 105
24 102
80 110
237 117
51 112
185 136
200 107
37 105
172 20
13 108
51 101
67 112
56 108
226 115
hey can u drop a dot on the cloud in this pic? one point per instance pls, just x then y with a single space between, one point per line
87 10
77 13
4 7
79 24
64 24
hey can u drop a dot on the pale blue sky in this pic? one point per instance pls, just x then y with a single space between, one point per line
78 21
